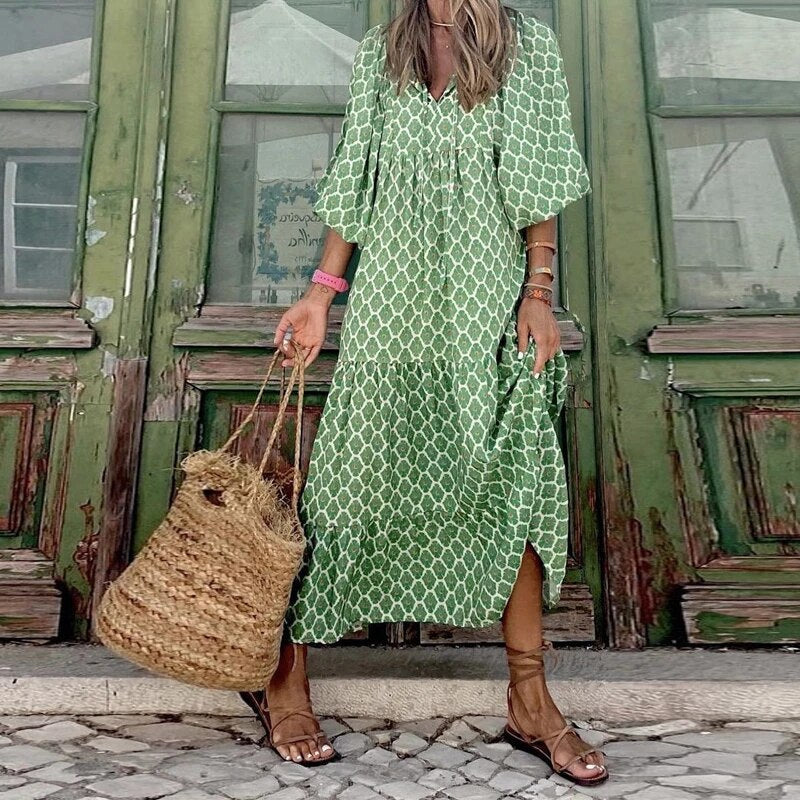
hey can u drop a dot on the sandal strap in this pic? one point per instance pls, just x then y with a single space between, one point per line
579 757
276 718
559 738
280 714
525 664
300 738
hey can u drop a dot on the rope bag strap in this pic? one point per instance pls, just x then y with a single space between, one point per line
297 376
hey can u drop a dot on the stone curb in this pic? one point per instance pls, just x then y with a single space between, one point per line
416 698
415 683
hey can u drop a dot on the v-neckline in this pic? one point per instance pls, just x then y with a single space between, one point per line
450 84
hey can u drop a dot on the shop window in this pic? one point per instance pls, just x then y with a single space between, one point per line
718 53
735 228
45 49
40 164
45 55
267 239
298 52
723 81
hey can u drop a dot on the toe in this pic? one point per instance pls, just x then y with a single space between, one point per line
295 752
283 752
326 749
307 749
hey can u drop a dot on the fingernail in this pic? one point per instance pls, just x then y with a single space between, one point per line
298 758
536 374
520 355
316 752
325 748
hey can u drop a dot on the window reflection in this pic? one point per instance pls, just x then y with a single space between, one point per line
541 9
40 176
292 52
736 236
267 239
710 53
45 49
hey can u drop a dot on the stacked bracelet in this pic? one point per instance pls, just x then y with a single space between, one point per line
538 291
549 245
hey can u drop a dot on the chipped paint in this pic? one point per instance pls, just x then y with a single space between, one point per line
131 246
670 373
167 403
93 234
109 363
75 391
155 216
101 307
186 196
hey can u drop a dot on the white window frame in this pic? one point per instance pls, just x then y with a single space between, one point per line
10 246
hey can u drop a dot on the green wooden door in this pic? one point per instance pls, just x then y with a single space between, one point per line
255 113
159 166
80 113
696 287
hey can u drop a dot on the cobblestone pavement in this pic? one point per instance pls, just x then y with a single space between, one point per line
218 758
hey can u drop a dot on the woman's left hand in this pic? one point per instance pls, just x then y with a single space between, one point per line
536 319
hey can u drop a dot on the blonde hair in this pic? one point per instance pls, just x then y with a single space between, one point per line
484 45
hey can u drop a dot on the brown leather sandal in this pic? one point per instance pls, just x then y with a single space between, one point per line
270 718
523 665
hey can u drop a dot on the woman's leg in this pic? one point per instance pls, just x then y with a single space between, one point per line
532 705
289 689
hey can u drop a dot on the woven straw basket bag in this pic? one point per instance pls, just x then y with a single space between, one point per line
204 600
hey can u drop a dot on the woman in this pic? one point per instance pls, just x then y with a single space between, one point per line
436 488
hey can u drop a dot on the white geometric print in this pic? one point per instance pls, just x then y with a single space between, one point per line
436 455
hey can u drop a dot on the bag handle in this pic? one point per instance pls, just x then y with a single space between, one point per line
297 376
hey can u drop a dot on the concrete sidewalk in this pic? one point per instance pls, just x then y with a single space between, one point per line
408 684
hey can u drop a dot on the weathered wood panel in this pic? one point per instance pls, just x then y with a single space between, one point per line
219 370
253 441
16 426
742 613
119 485
42 331
571 621
30 602
726 335
768 443
232 326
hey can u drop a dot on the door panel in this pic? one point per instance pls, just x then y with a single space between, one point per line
228 268
697 333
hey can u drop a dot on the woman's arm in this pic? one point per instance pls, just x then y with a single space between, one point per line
308 317
535 317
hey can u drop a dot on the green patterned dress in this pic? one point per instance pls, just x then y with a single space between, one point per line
436 455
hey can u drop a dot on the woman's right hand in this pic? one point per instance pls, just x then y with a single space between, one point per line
308 319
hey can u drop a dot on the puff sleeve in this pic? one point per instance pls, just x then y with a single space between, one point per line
346 190
540 169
